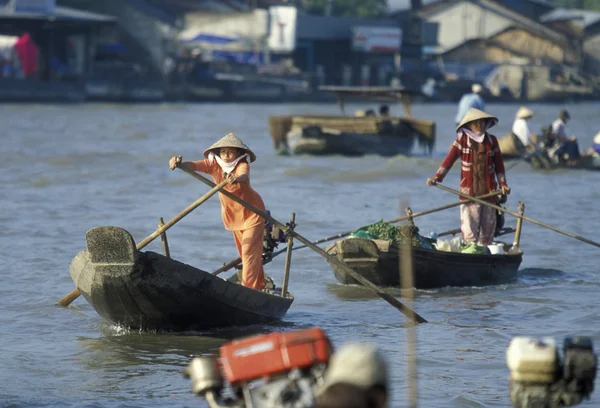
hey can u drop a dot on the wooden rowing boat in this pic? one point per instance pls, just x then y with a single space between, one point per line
353 136
379 262
541 161
146 290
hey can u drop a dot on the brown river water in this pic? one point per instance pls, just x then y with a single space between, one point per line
68 168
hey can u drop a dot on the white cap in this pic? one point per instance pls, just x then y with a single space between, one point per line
358 364
476 88
597 138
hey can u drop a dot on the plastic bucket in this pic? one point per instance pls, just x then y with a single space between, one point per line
496 249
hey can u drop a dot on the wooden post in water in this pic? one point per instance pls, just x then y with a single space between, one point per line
288 255
521 211
407 285
163 238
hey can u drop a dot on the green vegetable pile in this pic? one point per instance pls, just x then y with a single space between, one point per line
389 232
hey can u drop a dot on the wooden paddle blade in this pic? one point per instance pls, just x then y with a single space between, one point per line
67 300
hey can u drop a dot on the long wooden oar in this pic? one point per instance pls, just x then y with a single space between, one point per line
67 300
365 282
237 261
403 218
497 207
524 157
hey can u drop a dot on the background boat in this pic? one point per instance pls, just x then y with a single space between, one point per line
351 135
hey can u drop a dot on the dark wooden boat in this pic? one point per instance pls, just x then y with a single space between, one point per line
379 262
317 140
350 135
541 161
149 291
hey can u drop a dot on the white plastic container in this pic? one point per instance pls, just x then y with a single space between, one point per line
532 360
496 249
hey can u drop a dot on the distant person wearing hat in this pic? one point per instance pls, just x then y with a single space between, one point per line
520 128
568 148
596 147
481 165
384 111
357 377
468 101
229 159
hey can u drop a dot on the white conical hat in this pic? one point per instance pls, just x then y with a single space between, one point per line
524 112
597 138
230 140
476 114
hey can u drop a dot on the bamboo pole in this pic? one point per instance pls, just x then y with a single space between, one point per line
163 238
74 294
514 214
288 256
407 282
362 280
521 209
400 219
345 234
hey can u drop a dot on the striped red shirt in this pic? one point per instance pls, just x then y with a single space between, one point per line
461 148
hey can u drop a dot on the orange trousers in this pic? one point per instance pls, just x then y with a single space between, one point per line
249 243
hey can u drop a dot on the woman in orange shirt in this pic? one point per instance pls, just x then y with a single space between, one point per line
230 159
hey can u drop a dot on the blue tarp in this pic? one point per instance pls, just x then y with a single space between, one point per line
242 57
211 38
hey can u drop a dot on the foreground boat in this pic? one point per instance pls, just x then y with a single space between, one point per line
146 290
379 261
353 136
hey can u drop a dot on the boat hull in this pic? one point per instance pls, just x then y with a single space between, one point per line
146 290
351 136
348 144
379 262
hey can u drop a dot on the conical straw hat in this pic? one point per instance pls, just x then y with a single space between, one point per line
524 112
476 114
230 140
597 138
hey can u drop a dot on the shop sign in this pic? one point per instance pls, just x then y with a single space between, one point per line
376 39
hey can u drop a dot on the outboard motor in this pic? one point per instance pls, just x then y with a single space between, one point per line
272 370
539 378
273 236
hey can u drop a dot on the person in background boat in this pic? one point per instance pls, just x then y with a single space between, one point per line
520 127
566 148
229 158
481 164
385 126
384 111
595 149
356 377
468 101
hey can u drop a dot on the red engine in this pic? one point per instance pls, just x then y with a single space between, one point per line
275 353
272 370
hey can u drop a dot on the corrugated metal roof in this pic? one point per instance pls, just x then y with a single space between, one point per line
311 27
562 14
490 5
